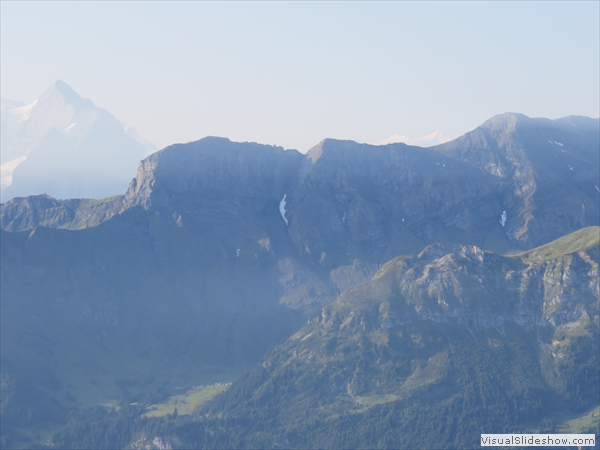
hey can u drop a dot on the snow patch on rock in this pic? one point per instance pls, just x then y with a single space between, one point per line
503 218
6 171
282 208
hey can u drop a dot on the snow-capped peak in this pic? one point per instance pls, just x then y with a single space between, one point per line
24 112
62 93
434 138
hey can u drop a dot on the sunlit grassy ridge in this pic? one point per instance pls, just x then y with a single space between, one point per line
578 240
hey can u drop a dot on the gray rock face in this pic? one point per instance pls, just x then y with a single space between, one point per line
548 171
467 286
510 184
358 201
214 166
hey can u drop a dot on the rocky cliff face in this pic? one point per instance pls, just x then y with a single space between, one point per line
467 286
217 165
370 203
548 170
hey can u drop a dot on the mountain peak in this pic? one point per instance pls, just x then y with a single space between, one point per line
65 89
506 120
62 137
61 90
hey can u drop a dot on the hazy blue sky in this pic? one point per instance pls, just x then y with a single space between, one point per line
292 74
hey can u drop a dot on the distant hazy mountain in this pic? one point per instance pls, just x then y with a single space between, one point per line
433 138
133 134
9 159
67 147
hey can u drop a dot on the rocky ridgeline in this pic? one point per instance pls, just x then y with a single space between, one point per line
354 200
513 183
467 286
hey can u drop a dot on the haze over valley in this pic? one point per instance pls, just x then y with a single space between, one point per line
298 225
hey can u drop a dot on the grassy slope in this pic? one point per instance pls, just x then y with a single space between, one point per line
576 241
578 423
188 402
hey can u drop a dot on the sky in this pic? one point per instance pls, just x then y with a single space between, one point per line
294 73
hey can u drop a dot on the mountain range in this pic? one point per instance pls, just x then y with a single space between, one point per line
353 294
65 146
